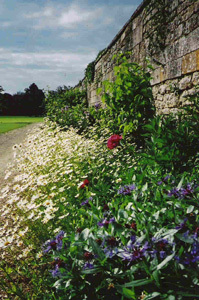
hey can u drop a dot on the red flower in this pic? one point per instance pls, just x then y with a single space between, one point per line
114 141
85 183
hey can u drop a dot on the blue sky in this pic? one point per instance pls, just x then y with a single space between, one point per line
50 43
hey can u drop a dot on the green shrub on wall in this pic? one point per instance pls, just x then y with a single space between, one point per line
90 72
129 97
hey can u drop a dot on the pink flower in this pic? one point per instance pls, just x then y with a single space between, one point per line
114 141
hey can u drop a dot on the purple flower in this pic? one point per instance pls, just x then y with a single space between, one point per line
160 246
133 254
86 202
182 225
88 265
174 192
97 106
106 222
187 191
190 258
110 252
162 254
126 189
134 251
111 249
55 272
56 243
57 263
165 180
183 192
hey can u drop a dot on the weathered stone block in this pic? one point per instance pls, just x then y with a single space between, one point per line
192 42
195 78
190 62
156 76
163 89
137 35
191 24
174 68
188 13
173 5
185 83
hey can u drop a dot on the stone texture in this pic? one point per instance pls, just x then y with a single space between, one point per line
190 62
185 83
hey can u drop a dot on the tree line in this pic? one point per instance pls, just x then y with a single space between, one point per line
27 103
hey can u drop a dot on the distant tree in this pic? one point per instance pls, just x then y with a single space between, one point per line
28 103
33 103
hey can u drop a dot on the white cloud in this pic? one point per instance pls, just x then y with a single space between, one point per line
62 16
46 12
18 70
66 35
5 24
74 16
45 59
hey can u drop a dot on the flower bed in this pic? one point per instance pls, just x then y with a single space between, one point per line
89 221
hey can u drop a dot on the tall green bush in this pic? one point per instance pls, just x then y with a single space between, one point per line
129 97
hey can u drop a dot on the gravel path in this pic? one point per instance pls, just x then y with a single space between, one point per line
7 141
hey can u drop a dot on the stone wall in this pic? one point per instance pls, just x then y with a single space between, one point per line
167 33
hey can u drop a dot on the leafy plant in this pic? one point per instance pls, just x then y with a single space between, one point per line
128 98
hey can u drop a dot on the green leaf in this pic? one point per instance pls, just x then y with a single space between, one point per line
145 187
97 250
128 293
122 214
188 295
190 209
91 271
165 261
139 282
184 238
84 234
180 183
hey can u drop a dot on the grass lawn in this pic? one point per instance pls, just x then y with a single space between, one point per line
10 123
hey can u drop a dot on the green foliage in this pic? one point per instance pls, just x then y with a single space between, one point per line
90 72
128 98
172 141
67 107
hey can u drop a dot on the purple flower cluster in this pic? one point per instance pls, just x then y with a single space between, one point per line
56 243
161 247
126 189
57 263
110 245
190 258
134 251
182 192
